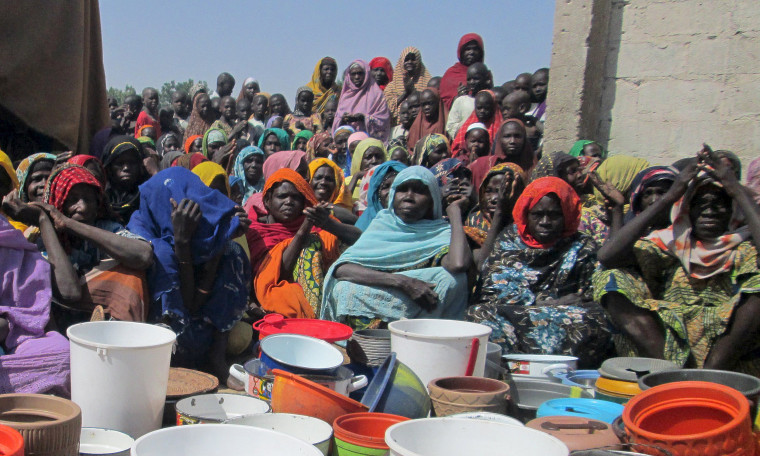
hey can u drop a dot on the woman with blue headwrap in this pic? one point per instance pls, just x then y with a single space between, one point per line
409 263
249 167
200 279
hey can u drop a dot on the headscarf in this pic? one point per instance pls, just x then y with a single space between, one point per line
208 171
283 159
445 168
550 164
153 221
296 111
25 168
646 178
306 134
458 147
373 198
239 171
571 208
422 127
190 161
368 100
82 160
7 166
314 143
272 120
753 178
353 137
356 160
395 87
347 130
389 243
212 135
456 75
427 145
321 93
479 221
162 141
527 157
619 171
263 236
281 134
339 196
242 93
189 142
700 258
290 159
63 179
197 125
385 64
123 203
577 149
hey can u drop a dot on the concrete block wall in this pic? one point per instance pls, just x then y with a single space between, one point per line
675 74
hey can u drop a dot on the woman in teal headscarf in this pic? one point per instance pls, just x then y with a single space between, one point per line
249 168
409 263
282 137
594 150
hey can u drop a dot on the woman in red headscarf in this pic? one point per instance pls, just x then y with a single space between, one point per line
535 285
293 246
469 51
84 246
382 71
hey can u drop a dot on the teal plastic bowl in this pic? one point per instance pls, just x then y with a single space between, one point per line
397 390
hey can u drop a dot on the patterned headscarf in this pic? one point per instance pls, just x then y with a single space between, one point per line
700 258
63 179
395 87
314 143
82 160
571 208
427 145
239 171
25 168
645 179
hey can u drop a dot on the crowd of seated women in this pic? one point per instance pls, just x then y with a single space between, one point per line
395 196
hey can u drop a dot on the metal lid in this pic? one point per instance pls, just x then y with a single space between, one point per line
631 369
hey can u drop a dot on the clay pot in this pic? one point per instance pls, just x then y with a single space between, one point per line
451 395
50 425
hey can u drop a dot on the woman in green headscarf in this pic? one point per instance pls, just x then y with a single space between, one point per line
588 148
213 141
301 139
273 140
612 182
369 153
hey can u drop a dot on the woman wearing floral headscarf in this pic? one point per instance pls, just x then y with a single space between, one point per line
410 76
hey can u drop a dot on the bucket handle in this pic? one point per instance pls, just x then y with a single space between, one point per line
473 357
548 370
591 426
238 373
357 382
101 351
625 446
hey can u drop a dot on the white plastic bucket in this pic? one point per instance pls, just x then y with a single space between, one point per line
95 441
220 439
311 430
439 348
458 436
119 373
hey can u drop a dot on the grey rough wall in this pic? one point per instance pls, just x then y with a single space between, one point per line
656 78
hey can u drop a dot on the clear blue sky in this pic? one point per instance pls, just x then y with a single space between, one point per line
147 43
